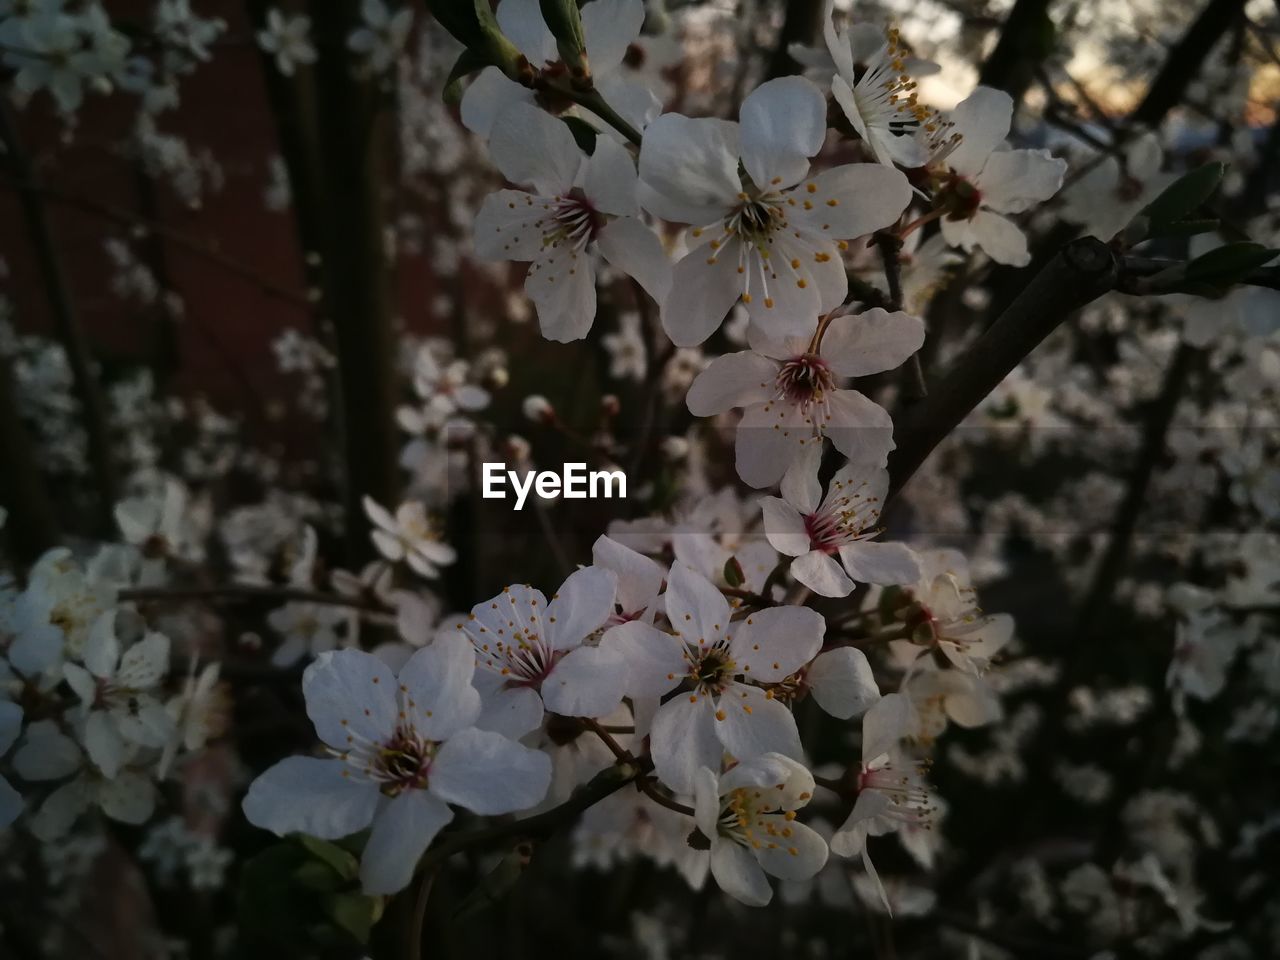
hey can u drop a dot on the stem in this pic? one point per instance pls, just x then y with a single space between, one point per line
644 784
603 784
592 100
1081 272
425 883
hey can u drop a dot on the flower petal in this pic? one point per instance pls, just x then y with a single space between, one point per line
822 574
486 773
754 724
401 833
698 611
588 682
886 564
738 874
851 200
436 688
871 342
690 168
858 427
784 527
350 692
654 661
842 683
636 250
797 856
1017 180
773 643
309 795
531 147
583 603
609 28
683 740
983 120
703 289
562 285
783 124
732 380
506 227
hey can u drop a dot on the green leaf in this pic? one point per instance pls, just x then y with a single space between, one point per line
584 134
1183 196
459 19
564 21
1228 264
356 913
734 575
468 62
342 862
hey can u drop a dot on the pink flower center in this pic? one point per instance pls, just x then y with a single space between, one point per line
805 380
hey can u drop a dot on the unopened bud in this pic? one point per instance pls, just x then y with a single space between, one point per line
675 448
538 409
610 404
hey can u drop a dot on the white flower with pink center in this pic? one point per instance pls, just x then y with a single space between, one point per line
831 536
766 232
793 392
892 792
984 182
403 748
577 208
724 674
532 653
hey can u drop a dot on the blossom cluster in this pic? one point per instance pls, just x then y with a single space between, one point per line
757 289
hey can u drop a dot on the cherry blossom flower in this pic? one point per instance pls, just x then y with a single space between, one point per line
409 536
728 671
945 616
579 206
877 94
404 748
639 579
200 713
983 181
792 395
46 754
1105 199
770 236
382 36
538 653
288 40
892 792
307 628
610 29
628 358
117 687
748 815
53 616
816 529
